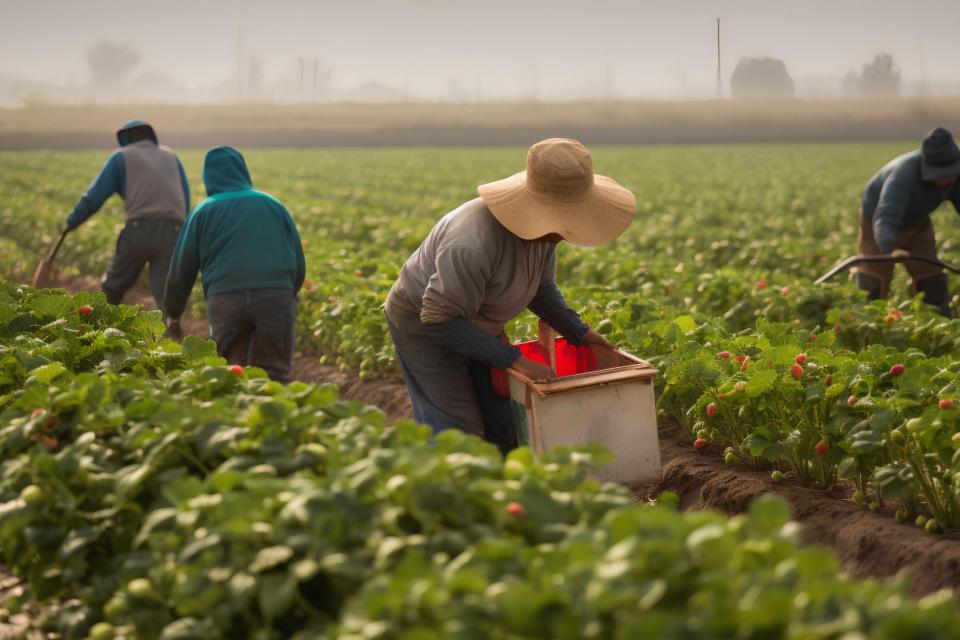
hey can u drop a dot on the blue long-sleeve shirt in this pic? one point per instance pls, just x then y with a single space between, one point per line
897 196
114 179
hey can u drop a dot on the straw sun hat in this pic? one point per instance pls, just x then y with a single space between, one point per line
559 193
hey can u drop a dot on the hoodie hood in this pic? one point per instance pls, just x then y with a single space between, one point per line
122 134
224 169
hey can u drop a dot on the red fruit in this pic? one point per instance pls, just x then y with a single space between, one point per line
724 354
785 290
741 358
852 400
896 313
711 410
699 443
236 370
837 328
946 404
821 448
762 283
721 395
813 337
740 386
746 362
796 371
516 509
897 370
829 380
85 310
801 358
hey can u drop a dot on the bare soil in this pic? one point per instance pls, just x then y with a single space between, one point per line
866 543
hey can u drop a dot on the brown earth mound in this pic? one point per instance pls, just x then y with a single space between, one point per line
866 543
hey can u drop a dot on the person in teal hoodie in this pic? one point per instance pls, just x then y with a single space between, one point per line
151 180
248 251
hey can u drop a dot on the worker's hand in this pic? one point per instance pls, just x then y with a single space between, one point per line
65 227
533 370
174 330
899 253
592 337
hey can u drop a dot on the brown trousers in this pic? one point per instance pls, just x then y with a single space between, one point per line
918 239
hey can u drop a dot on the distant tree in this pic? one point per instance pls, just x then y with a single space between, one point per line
111 64
761 78
879 77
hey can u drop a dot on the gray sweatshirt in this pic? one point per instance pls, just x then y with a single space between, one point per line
470 266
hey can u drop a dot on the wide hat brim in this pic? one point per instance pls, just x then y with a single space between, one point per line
599 216
932 172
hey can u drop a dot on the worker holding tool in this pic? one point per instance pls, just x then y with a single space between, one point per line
480 266
248 251
895 217
151 180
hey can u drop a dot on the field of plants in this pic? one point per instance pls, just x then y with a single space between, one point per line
146 488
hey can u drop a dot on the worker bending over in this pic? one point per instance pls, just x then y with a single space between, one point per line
480 266
895 217
150 179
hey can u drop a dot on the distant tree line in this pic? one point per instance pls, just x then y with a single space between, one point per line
768 78
879 77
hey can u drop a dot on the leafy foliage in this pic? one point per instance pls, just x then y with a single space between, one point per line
161 496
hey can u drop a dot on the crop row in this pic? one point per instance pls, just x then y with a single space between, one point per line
150 491
718 261
780 212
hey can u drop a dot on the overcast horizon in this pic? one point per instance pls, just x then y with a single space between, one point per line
497 50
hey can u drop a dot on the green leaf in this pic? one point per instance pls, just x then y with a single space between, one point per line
760 382
47 373
275 594
686 323
270 558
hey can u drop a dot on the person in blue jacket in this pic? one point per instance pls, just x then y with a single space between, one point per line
248 251
151 180
895 217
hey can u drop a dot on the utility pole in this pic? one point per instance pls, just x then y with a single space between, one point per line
719 77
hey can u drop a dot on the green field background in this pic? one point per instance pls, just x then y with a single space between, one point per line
782 212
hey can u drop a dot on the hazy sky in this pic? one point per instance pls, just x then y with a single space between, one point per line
492 48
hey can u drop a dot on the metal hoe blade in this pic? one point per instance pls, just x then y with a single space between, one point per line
853 261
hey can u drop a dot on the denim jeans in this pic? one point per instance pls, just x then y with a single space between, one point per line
448 391
255 327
